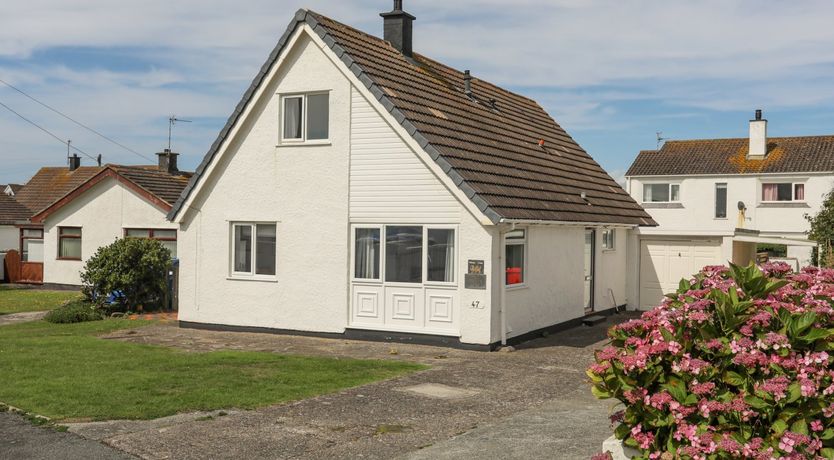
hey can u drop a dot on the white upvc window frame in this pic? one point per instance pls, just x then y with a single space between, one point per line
251 275
793 191
303 140
524 242
669 185
608 239
425 265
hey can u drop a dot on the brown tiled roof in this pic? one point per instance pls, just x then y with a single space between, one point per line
11 211
729 156
15 187
52 183
491 153
165 186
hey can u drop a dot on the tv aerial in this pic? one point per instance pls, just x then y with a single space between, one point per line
171 122
660 138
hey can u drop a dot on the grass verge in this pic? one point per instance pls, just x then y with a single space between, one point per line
65 372
18 300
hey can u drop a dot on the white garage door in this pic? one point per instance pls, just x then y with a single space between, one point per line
664 263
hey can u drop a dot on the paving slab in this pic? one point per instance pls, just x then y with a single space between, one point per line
24 317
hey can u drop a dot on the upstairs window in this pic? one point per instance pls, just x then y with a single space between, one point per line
306 117
69 243
785 191
661 193
721 201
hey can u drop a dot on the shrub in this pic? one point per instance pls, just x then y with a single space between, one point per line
75 311
133 268
735 364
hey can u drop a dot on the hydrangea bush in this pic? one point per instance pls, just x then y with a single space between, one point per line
735 364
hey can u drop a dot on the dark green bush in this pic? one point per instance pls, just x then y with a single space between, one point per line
75 311
134 268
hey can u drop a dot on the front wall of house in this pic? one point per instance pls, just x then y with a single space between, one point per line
302 188
103 213
698 204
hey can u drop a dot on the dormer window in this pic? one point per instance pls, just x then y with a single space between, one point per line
783 191
305 117
661 193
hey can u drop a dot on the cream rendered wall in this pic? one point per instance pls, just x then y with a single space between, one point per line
103 212
9 238
304 188
611 271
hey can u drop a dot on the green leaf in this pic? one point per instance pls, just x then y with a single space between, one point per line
599 393
800 426
621 431
734 378
798 324
779 426
816 334
827 453
827 434
677 389
794 392
756 402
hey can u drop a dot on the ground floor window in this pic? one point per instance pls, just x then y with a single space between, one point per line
516 243
409 254
31 244
608 238
167 237
254 249
69 243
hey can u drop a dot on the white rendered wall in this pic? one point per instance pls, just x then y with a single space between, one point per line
304 188
611 271
9 238
102 212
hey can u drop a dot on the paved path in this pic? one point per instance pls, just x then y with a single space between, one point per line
534 402
21 317
20 440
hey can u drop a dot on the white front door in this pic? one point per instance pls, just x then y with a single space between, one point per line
404 279
664 263
590 237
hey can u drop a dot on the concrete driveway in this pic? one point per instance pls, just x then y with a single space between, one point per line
532 403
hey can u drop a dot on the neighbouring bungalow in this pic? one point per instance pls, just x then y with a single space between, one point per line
363 190
114 202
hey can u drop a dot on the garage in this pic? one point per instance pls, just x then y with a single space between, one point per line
664 262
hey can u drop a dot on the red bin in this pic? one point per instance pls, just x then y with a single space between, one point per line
513 275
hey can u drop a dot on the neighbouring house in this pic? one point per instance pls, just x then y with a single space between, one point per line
44 188
361 189
718 200
12 214
113 202
11 189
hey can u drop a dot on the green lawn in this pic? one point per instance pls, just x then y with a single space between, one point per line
66 372
16 300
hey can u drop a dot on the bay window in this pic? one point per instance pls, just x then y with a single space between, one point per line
783 191
306 117
69 243
254 249
661 193
408 254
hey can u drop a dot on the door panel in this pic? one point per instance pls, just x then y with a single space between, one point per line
404 307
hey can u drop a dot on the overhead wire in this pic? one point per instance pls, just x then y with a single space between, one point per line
75 121
67 143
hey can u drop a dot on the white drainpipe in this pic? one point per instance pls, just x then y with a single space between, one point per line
502 281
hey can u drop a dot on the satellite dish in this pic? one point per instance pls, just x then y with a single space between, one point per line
741 206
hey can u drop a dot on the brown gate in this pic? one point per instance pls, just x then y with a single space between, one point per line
22 272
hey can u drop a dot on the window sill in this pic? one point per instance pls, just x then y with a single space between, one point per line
252 278
662 205
783 204
69 259
609 250
304 143
515 287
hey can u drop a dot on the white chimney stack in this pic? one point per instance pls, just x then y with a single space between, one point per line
758 137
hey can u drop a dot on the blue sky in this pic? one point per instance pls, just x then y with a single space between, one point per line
610 72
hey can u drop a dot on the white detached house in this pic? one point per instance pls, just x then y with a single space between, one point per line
363 190
716 200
